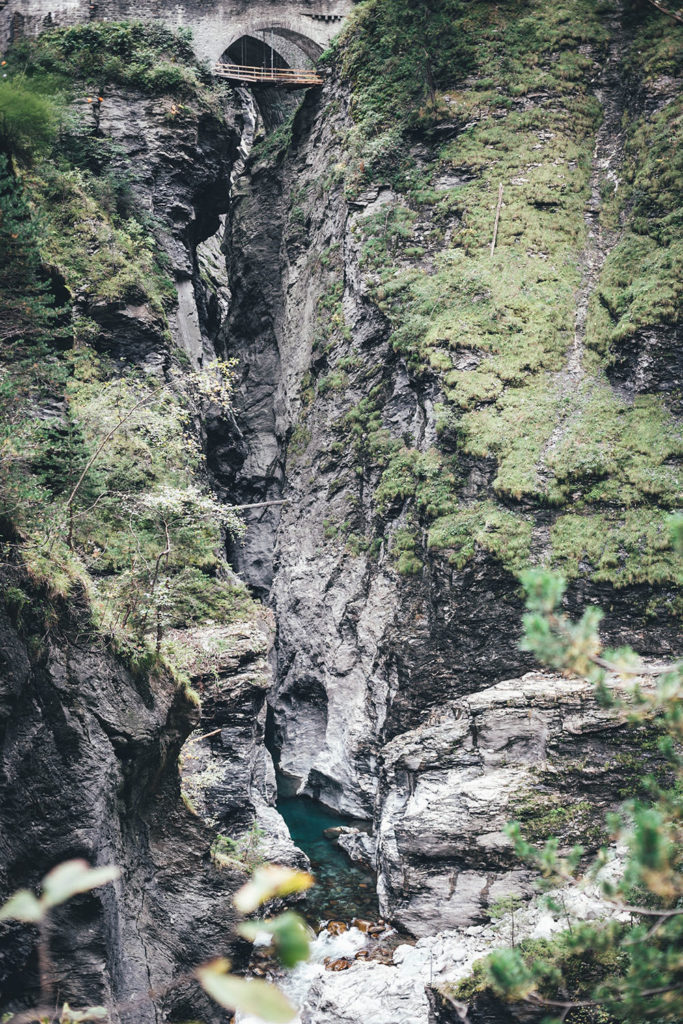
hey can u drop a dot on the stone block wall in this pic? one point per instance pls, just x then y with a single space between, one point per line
309 24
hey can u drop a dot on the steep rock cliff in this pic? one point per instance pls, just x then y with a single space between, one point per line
434 416
539 750
422 415
89 769
94 718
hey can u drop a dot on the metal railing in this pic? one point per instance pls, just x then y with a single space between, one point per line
275 76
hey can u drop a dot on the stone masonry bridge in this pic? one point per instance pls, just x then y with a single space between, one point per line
297 30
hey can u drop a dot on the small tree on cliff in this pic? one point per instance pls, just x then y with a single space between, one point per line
641 978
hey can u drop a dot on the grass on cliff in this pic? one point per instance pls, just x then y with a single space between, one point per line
100 465
565 962
96 239
148 58
448 102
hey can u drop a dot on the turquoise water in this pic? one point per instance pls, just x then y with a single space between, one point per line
343 890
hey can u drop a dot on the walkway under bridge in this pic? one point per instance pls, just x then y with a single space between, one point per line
296 77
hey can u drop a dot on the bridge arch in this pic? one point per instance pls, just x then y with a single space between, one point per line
297 38
307 26
290 49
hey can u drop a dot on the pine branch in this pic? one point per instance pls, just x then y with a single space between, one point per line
676 15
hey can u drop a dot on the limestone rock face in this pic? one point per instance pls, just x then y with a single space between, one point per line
539 749
227 774
363 653
179 169
358 846
376 995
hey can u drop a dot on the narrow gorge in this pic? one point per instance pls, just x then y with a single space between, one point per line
299 387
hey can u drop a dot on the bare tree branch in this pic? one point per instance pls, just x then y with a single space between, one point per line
124 419
676 15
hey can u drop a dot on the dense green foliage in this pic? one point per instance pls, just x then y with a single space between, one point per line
149 58
449 101
28 119
627 969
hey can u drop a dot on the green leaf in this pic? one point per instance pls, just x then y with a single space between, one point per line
245 995
289 932
69 1016
72 877
252 929
23 906
267 883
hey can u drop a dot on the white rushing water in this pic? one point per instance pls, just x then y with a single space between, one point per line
297 983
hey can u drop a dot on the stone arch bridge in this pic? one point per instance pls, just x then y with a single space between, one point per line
297 30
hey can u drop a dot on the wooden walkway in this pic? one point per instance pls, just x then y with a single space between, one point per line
268 76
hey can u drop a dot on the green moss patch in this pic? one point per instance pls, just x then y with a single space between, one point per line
101 247
568 974
146 57
641 285
618 452
446 107
486 526
545 815
634 547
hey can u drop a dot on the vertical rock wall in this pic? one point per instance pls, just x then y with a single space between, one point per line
90 745
372 641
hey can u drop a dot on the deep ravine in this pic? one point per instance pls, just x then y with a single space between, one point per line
399 696
415 420
365 655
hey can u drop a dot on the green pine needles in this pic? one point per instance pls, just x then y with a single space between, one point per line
627 969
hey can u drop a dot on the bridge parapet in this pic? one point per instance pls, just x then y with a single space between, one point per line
216 24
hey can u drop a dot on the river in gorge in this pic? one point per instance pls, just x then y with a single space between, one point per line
343 890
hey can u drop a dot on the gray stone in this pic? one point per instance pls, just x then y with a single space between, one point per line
448 788
300 29
359 846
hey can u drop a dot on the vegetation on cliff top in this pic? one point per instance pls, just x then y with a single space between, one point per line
148 58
